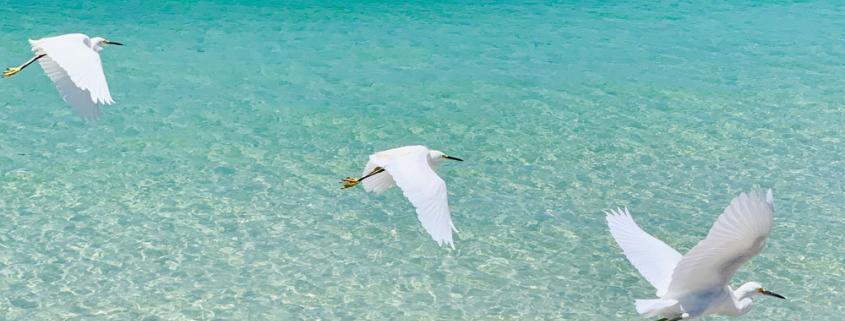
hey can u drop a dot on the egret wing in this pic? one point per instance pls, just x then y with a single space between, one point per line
79 99
653 259
73 54
421 185
738 235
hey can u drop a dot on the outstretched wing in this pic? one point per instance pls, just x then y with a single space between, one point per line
411 171
78 99
73 55
653 259
738 235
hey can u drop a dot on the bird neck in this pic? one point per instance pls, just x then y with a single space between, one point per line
95 43
742 299
747 290
434 162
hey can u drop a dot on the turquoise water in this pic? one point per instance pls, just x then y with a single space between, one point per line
210 190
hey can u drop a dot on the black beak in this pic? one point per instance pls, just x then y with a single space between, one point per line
453 158
112 43
773 294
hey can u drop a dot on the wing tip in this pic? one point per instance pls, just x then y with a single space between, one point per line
617 214
757 195
446 241
444 237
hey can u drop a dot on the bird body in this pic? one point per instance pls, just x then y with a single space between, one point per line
412 168
696 284
72 62
381 182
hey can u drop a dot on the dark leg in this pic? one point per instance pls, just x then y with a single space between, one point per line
351 182
11 71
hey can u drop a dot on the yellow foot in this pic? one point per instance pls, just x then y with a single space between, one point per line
349 182
11 71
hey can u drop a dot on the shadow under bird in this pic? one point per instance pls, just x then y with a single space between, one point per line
696 284
412 169
72 62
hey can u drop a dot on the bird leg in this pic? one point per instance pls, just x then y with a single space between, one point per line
11 71
351 182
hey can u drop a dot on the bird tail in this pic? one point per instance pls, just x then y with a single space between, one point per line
653 307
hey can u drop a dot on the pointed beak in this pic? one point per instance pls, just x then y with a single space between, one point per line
769 293
112 43
453 158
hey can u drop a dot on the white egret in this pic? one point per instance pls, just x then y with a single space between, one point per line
412 169
72 62
696 284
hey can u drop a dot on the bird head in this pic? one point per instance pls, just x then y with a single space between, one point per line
98 42
436 156
752 289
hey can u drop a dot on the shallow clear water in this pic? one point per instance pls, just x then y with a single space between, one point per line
209 191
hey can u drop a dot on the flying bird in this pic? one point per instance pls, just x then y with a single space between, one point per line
72 62
697 284
412 169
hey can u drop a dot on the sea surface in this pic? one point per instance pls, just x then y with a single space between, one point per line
210 190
